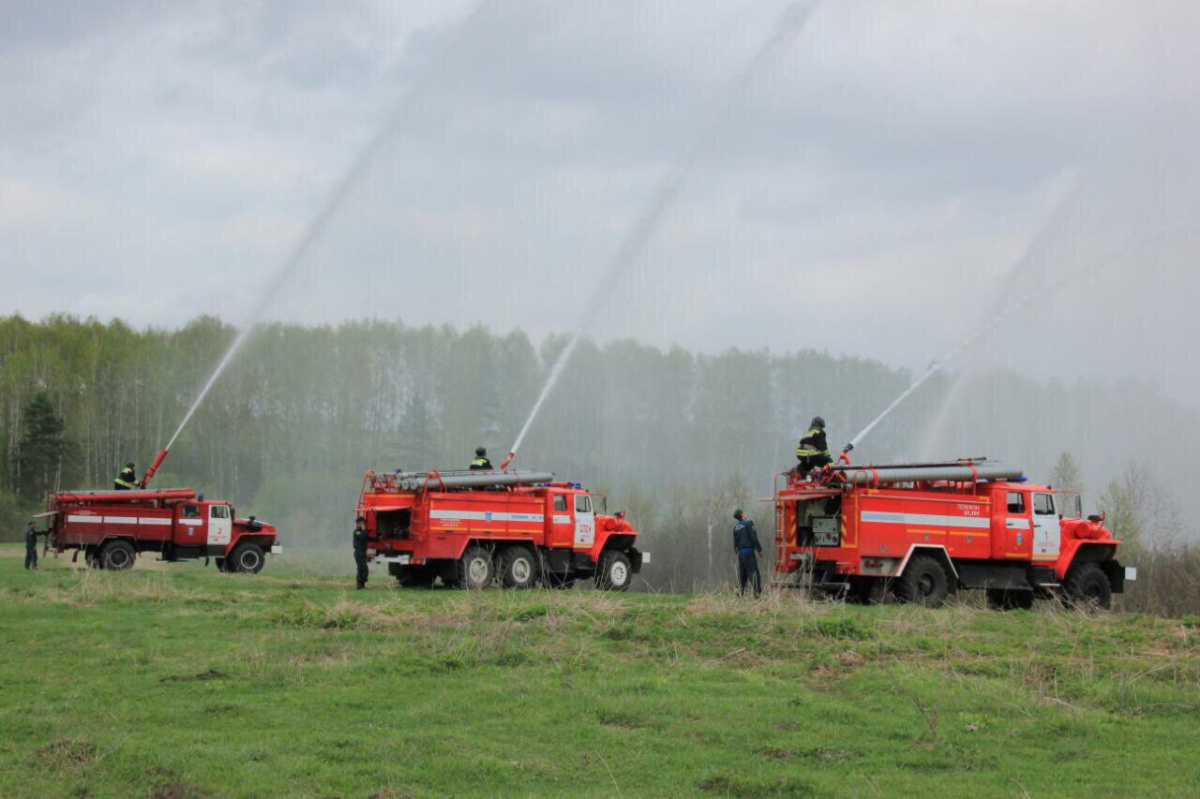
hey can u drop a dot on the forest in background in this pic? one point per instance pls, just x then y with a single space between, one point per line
676 438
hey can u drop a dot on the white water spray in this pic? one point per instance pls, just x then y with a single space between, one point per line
785 31
316 228
1041 292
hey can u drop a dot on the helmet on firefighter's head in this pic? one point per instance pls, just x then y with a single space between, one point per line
738 514
818 423
480 452
129 465
361 520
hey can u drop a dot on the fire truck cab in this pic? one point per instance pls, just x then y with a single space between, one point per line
472 528
922 531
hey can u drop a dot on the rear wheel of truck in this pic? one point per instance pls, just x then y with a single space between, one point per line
1001 599
924 582
518 568
117 556
475 569
1087 587
613 572
248 558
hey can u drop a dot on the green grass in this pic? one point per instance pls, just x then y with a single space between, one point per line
183 682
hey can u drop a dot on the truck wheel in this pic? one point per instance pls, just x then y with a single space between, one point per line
924 582
1088 588
613 572
117 556
246 558
518 568
475 569
1001 599
415 577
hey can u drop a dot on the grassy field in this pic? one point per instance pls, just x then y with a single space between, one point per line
178 682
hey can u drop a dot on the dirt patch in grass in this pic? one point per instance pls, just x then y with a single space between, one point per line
171 787
204 676
64 754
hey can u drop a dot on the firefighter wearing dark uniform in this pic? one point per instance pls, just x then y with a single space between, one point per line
127 479
745 541
481 461
813 450
360 552
31 534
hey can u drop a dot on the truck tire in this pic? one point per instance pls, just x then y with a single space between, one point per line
247 558
1087 587
613 572
415 577
1001 599
117 556
475 569
924 582
518 568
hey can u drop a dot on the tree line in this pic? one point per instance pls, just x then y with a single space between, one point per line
676 438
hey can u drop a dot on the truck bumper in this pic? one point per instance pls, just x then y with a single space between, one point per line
403 559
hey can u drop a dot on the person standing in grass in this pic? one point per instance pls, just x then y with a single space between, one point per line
360 552
31 534
745 541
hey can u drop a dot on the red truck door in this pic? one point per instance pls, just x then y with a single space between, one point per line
191 529
1018 528
561 525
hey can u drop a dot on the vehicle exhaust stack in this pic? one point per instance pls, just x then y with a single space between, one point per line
162 456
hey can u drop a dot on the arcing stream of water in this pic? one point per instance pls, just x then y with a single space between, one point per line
785 31
1040 292
317 227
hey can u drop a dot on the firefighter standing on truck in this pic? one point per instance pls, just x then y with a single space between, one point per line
31 534
481 461
745 541
813 450
360 552
127 479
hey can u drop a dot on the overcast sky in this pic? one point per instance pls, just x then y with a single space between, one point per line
870 194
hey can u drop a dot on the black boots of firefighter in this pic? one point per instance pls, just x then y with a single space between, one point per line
360 552
745 542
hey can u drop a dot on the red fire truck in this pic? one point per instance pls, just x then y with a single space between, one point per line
470 528
112 527
925 530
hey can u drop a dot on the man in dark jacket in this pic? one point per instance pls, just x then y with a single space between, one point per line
360 552
813 450
127 479
31 534
745 541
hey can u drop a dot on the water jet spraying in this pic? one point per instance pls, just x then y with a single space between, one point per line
793 20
